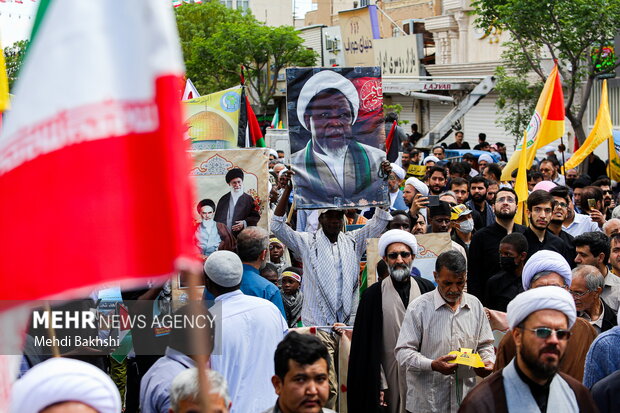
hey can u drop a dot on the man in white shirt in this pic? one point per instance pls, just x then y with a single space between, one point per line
594 248
247 332
444 320
331 270
576 224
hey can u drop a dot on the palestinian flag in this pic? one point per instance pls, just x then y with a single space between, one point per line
391 147
250 134
93 166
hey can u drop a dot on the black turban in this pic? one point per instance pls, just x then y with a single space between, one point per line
234 173
442 209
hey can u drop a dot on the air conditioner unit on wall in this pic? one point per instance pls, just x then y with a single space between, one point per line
329 44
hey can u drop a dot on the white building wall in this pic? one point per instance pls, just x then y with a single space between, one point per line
333 53
481 118
273 12
312 36
16 19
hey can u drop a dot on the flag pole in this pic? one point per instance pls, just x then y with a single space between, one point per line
51 331
198 338
562 169
609 160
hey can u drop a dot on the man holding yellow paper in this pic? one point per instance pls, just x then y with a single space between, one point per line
435 324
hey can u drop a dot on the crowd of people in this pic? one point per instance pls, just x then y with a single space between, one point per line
536 302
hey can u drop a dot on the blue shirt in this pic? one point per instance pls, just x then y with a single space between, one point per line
155 385
253 284
603 357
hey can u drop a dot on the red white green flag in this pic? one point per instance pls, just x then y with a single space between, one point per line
93 166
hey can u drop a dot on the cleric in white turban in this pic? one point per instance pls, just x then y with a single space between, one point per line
333 167
542 298
419 186
397 235
378 322
398 171
62 380
430 158
545 261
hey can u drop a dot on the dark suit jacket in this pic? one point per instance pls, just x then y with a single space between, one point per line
244 210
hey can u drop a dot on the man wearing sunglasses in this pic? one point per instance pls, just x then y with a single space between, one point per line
550 269
379 317
539 321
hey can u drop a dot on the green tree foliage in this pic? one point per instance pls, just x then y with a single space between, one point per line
217 41
516 101
396 108
14 55
570 31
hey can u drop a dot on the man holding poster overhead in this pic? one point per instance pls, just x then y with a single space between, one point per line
337 164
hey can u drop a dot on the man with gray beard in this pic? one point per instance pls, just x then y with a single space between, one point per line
377 325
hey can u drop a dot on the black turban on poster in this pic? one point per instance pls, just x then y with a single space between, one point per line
442 209
234 173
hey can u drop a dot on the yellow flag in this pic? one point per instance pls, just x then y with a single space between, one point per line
601 131
613 169
546 125
521 184
5 103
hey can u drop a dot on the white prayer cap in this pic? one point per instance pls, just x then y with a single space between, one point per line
59 380
282 172
430 158
398 171
326 79
549 148
273 152
486 157
397 235
224 268
545 260
543 298
418 185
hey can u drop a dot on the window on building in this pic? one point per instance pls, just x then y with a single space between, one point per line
243 4
227 3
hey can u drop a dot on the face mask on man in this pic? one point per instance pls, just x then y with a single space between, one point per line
507 264
467 226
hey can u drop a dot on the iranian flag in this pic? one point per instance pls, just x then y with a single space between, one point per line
93 167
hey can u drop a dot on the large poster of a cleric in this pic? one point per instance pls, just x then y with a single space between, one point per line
232 194
337 136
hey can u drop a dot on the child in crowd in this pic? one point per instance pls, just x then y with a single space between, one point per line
291 295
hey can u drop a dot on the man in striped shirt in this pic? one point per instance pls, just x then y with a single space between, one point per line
436 323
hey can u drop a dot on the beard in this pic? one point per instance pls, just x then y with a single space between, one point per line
505 215
479 197
557 221
400 271
540 368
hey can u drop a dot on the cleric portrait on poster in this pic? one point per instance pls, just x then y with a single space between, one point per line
337 136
